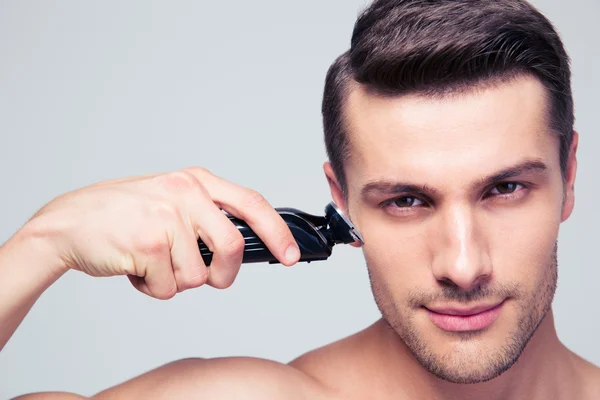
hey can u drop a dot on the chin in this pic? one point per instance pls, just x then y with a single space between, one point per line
470 362
469 357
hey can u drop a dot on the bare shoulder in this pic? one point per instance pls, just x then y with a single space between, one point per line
50 396
223 378
587 377
333 372
326 373
343 367
592 380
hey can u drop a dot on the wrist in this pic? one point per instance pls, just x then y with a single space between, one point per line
29 264
34 247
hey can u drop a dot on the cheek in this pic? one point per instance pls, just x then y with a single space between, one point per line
521 245
396 255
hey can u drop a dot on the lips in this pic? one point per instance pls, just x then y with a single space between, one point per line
455 319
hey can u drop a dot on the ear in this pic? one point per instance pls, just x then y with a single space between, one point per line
569 199
336 191
334 187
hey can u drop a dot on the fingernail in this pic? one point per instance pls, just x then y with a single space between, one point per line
292 254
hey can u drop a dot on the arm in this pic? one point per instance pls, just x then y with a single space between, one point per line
27 268
146 228
221 378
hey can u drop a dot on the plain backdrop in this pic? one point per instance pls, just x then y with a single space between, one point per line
97 90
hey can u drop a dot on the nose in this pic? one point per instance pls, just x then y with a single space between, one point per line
461 257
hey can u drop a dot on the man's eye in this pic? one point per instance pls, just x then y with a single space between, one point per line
505 188
407 201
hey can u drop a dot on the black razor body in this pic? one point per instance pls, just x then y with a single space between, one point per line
315 235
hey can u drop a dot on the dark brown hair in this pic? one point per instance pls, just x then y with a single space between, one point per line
433 47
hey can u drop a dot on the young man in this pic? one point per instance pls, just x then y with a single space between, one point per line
449 128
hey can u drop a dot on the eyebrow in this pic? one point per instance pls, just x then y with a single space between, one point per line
529 166
383 187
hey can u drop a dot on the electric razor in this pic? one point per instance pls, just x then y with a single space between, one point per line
316 235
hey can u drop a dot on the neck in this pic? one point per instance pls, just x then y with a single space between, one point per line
539 373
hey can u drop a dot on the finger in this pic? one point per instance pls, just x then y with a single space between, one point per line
152 272
188 267
222 238
207 221
156 278
255 210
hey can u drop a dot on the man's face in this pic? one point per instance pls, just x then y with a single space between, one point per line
459 201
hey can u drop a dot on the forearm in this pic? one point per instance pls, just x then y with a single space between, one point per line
27 268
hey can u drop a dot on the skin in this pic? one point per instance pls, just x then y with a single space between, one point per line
473 241
467 240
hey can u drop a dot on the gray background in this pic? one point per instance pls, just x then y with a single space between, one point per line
96 90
